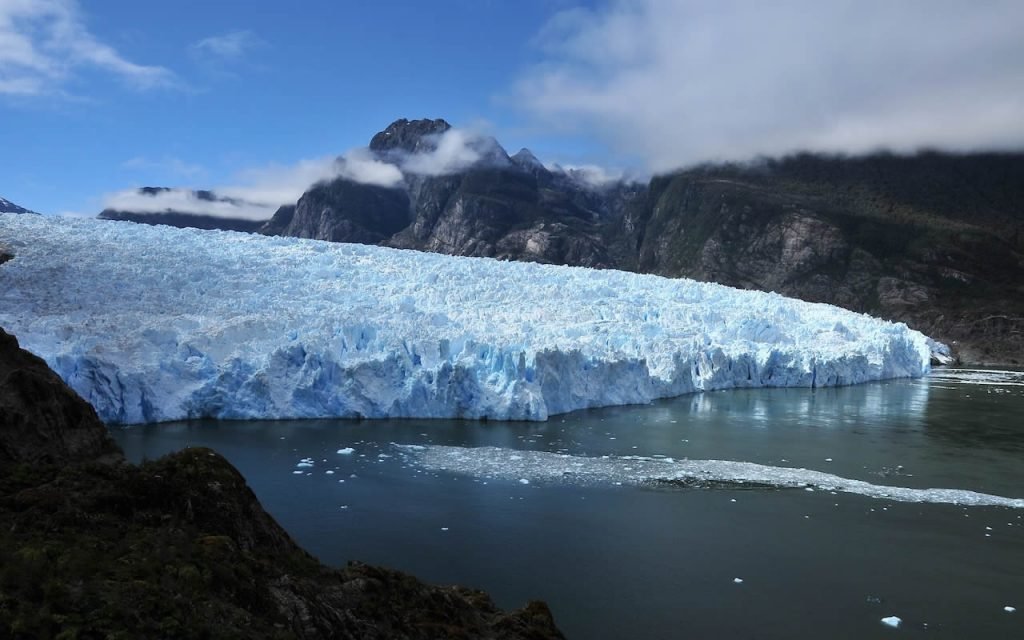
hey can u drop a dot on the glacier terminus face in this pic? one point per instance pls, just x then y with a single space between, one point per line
154 324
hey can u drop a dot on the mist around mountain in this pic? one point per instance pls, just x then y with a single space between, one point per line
183 208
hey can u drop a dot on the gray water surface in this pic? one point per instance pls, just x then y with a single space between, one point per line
618 558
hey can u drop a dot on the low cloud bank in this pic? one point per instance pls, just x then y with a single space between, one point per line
677 83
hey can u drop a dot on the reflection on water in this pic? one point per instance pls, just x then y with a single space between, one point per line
628 561
869 404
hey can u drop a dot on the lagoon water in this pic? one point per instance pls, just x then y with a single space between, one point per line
620 556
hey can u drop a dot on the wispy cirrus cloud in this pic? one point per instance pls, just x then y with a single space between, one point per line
228 46
167 165
677 82
44 42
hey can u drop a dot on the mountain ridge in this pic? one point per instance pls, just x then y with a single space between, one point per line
6 206
933 239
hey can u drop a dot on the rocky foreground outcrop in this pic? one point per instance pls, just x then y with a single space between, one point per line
92 547
41 420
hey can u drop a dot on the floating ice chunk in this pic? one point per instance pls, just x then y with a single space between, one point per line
170 324
1009 609
329 472
988 377
297 473
347 451
494 462
892 621
738 580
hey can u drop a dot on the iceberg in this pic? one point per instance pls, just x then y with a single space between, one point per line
154 324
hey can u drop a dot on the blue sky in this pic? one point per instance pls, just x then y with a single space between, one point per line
274 83
107 95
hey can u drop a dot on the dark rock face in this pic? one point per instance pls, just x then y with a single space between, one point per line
933 240
409 136
180 547
279 222
6 206
506 214
186 219
41 420
344 211
501 207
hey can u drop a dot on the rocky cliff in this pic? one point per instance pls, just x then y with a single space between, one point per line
91 547
933 240
493 205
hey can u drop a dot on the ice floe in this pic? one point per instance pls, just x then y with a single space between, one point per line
542 466
892 621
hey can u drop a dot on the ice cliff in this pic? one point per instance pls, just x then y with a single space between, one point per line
155 324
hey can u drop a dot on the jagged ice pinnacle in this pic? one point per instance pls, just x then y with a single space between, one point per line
155 324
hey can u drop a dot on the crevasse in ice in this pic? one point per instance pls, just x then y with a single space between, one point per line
154 324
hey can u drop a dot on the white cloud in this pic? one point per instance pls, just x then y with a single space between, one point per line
43 41
229 46
454 151
678 82
186 201
277 184
592 175
256 193
359 165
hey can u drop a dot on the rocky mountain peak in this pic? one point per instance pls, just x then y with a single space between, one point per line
412 136
525 159
6 206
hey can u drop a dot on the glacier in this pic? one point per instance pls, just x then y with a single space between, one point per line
153 324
